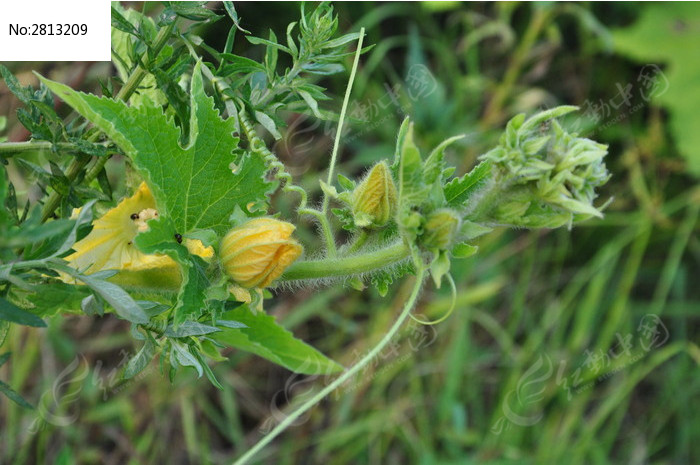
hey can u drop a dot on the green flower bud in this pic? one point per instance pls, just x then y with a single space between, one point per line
543 176
374 199
440 229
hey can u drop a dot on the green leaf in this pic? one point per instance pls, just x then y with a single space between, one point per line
12 313
459 190
667 33
264 337
185 358
195 186
24 94
239 64
311 102
464 250
120 23
195 11
13 396
346 183
140 360
52 298
85 216
91 306
231 10
268 123
259 41
160 239
125 41
190 328
435 163
4 329
206 236
412 189
114 295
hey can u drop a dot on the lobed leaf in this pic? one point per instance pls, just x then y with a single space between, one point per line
459 190
195 186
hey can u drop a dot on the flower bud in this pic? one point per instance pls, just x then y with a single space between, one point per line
374 199
440 229
257 252
546 176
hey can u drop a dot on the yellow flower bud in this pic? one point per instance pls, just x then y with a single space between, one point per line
440 229
257 252
374 199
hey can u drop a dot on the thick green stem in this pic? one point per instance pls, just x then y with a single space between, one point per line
79 163
342 378
347 266
8 149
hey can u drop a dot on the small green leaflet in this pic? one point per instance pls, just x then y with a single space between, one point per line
140 360
11 312
122 302
264 337
459 190
195 186
13 396
412 188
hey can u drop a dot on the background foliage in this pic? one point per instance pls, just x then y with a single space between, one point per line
529 300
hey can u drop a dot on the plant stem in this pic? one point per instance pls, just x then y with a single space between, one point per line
342 378
79 163
347 266
336 144
359 242
343 110
10 148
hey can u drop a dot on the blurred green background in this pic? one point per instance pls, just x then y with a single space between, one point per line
566 347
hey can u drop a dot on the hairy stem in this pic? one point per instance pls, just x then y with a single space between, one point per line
342 378
347 266
336 144
79 163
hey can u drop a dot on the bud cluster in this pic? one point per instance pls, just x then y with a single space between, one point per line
545 177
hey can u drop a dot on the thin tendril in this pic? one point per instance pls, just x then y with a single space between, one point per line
420 273
449 312
336 141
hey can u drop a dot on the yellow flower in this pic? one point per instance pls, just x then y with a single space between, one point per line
374 199
110 244
257 252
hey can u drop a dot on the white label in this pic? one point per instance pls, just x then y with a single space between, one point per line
45 30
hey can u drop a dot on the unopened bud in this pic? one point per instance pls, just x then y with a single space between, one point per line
440 229
374 200
257 252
